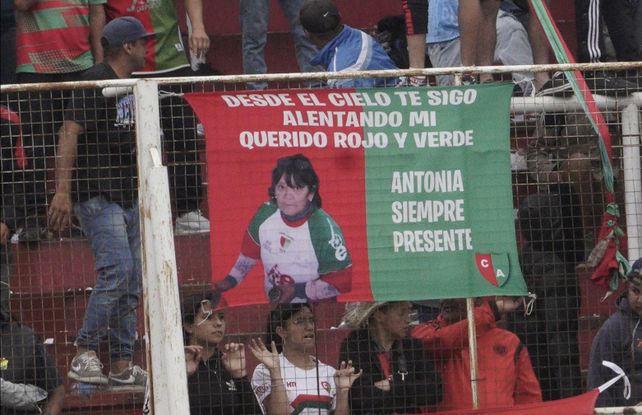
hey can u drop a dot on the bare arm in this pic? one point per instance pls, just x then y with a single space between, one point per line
4 234
24 5
96 24
55 401
60 208
193 357
417 50
343 404
234 359
199 42
344 377
276 403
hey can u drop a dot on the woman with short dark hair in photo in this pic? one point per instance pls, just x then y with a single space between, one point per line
302 248
217 381
290 379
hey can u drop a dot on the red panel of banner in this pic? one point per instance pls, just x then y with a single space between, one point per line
583 404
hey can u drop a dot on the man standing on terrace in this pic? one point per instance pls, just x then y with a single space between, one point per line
166 57
97 145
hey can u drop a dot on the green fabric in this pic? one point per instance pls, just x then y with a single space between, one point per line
328 242
480 191
265 211
169 48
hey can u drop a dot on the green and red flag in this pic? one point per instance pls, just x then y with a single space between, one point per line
417 179
608 264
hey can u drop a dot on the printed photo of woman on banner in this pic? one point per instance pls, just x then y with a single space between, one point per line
301 247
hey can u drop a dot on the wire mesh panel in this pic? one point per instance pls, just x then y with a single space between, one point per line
396 357
69 199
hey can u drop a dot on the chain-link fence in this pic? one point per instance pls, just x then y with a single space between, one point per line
80 193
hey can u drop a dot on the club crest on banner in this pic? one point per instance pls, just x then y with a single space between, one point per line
495 268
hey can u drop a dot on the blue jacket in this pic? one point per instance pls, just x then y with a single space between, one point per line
354 50
619 340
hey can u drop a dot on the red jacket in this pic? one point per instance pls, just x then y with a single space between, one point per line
505 373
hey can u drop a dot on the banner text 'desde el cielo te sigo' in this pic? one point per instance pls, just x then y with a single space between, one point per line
415 186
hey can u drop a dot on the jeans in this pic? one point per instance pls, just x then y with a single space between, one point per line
254 27
114 234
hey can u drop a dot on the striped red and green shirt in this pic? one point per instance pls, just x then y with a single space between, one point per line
166 51
53 37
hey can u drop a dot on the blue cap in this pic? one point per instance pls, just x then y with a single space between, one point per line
124 29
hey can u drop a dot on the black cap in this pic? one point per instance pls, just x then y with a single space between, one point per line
124 29
319 16
635 275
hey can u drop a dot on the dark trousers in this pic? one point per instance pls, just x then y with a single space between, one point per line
182 146
41 115
8 61
621 21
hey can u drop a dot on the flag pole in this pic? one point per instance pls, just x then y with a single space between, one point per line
472 346
470 316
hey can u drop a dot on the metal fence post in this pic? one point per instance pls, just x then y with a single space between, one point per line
632 180
166 358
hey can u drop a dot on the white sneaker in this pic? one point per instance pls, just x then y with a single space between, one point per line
192 223
86 368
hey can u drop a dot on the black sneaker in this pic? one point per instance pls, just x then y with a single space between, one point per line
557 86
602 84
468 79
523 88
635 77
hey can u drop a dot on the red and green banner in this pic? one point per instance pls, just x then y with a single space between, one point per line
418 181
